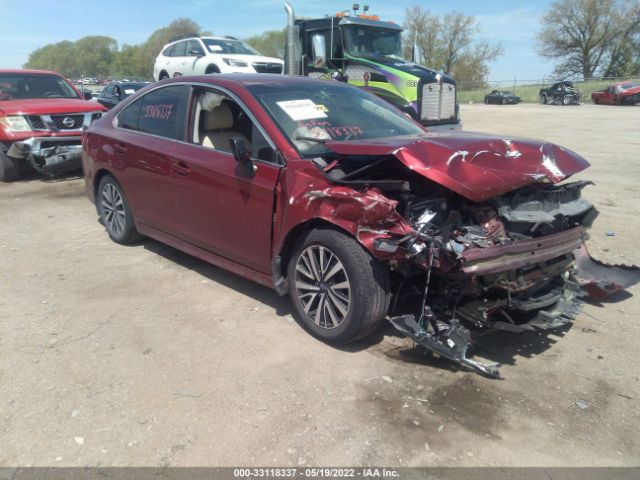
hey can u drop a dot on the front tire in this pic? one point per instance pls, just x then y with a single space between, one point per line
10 168
543 99
338 290
115 213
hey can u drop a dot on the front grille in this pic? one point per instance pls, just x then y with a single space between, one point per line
267 67
36 122
62 123
438 102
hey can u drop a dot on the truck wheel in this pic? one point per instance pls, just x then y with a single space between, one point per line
115 213
339 291
10 168
543 99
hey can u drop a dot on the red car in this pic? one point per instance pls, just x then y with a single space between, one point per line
623 93
323 191
41 120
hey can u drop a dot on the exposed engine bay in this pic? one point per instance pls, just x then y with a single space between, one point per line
504 262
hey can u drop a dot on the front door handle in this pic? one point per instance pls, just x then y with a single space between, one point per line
181 169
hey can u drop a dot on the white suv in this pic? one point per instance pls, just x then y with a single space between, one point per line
204 55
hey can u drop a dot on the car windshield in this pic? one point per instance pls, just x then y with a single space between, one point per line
15 86
627 86
374 42
229 46
310 114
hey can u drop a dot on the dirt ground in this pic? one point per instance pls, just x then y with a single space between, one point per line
142 355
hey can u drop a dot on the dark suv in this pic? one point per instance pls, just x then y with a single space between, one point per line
560 93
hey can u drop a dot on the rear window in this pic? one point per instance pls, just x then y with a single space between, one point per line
168 52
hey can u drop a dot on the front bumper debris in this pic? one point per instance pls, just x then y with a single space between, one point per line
450 341
50 156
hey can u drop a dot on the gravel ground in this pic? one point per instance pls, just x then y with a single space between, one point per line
142 355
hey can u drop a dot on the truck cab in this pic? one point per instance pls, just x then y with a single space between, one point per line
367 52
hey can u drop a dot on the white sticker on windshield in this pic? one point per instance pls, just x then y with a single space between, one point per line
215 48
129 91
302 109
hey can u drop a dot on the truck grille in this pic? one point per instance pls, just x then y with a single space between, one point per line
68 122
36 122
438 102
262 67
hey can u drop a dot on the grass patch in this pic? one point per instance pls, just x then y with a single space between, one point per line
529 93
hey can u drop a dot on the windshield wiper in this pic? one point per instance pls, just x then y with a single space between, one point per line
312 139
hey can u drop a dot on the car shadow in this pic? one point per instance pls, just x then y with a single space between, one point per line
218 275
500 347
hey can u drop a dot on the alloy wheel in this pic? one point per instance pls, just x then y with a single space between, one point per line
322 286
113 209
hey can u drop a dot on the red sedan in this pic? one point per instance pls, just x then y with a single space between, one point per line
623 93
323 191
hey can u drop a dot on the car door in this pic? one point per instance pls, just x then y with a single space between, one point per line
148 130
195 63
220 206
106 98
179 59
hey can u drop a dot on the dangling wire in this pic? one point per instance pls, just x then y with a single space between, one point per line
426 289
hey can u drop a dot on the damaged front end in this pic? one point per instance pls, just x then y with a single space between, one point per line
49 156
491 240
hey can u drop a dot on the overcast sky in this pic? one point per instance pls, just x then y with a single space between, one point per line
28 24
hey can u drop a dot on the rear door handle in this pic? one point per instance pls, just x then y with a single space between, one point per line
120 149
181 168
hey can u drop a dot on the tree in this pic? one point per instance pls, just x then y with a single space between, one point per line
57 56
450 43
586 37
270 43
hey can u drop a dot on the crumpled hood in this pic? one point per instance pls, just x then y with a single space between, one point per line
476 166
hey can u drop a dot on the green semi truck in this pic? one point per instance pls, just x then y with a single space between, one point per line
367 52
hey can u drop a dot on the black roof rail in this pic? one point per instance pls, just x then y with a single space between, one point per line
183 36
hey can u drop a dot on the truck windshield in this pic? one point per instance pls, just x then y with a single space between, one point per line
312 113
229 46
373 42
34 85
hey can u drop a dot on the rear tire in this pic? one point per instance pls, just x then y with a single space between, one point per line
339 291
163 76
10 168
115 213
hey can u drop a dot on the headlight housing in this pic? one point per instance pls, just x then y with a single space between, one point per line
15 123
232 62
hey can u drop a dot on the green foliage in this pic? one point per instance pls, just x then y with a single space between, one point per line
269 43
592 37
98 56
529 93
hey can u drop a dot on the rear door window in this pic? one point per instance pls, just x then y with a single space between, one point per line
162 112
180 49
168 52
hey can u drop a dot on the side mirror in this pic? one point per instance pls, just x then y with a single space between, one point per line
242 154
87 94
319 50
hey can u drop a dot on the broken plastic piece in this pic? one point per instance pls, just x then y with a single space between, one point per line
600 280
451 344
